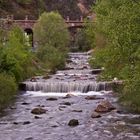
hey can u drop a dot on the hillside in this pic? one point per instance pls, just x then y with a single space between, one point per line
20 8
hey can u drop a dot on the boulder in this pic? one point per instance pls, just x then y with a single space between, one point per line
38 111
104 106
73 122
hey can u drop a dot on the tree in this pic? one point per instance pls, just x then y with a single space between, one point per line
15 55
52 36
51 29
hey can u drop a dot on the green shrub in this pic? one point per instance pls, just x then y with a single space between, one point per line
15 56
8 89
51 58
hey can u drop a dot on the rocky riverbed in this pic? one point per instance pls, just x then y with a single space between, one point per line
88 113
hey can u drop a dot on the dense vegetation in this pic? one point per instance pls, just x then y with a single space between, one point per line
117 38
17 60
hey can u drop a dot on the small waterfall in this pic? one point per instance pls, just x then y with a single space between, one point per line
65 87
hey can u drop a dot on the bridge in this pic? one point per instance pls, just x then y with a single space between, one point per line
29 24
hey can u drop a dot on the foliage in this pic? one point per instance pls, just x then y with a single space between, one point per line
51 58
8 89
51 29
53 37
118 21
15 63
81 41
15 55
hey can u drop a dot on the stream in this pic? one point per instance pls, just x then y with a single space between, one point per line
67 95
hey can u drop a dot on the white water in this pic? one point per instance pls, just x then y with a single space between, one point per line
40 94
63 87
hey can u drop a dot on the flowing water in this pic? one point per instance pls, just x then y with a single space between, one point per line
79 80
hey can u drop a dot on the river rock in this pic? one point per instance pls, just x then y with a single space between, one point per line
54 126
68 96
93 97
30 138
52 99
104 106
95 115
40 105
33 79
26 122
38 111
37 117
16 123
66 103
25 103
101 109
73 122
12 108
77 110
46 77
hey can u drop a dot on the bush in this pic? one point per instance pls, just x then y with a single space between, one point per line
15 55
8 89
51 58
